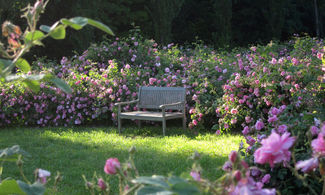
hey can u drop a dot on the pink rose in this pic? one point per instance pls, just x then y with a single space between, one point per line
272 119
42 175
101 184
266 178
275 149
111 165
282 129
245 131
314 130
234 111
307 165
318 145
259 125
275 111
195 175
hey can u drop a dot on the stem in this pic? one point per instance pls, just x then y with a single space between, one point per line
120 184
323 193
20 54
295 172
23 175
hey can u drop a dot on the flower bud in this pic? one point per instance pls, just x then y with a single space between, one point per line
233 156
132 150
195 156
237 175
101 184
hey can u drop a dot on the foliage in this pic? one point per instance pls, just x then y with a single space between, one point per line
218 23
18 44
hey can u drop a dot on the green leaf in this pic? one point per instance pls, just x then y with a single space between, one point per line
62 85
25 76
4 63
185 189
76 23
36 77
175 180
58 32
48 29
34 85
45 28
10 187
12 151
23 65
34 189
155 180
152 190
33 36
100 26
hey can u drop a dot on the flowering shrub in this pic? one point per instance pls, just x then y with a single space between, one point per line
241 86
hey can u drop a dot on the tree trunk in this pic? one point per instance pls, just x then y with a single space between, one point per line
162 13
317 18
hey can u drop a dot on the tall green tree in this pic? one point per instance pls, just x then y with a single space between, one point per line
162 13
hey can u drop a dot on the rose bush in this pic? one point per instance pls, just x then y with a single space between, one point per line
241 86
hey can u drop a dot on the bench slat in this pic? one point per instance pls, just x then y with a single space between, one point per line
153 97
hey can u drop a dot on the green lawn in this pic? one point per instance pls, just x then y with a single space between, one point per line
77 151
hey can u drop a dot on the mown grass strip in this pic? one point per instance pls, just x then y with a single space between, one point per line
77 151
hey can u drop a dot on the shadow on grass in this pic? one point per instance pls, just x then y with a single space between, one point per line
77 151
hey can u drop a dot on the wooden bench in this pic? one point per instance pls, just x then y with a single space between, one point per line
156 100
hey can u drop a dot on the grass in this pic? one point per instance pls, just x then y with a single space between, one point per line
77 151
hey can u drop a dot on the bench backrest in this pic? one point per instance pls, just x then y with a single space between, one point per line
153 97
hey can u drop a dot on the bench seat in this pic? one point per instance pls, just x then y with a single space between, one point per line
150 116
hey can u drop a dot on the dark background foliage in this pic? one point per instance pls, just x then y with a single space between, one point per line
220 23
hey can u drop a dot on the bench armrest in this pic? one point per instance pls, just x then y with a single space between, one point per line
124 103
168 105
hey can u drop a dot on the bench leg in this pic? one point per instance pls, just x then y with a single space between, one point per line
119 124
139 124
184 123
164 126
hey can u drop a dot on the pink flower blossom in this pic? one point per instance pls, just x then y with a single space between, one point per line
42 175
227 166
250 141
282 129
275 111
195 175
111 165
249 186
233 121
245 131
194 97
234 111
101 184
307 165
248 119
275 149
259 125
318 145
314 130
272 119
266 178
